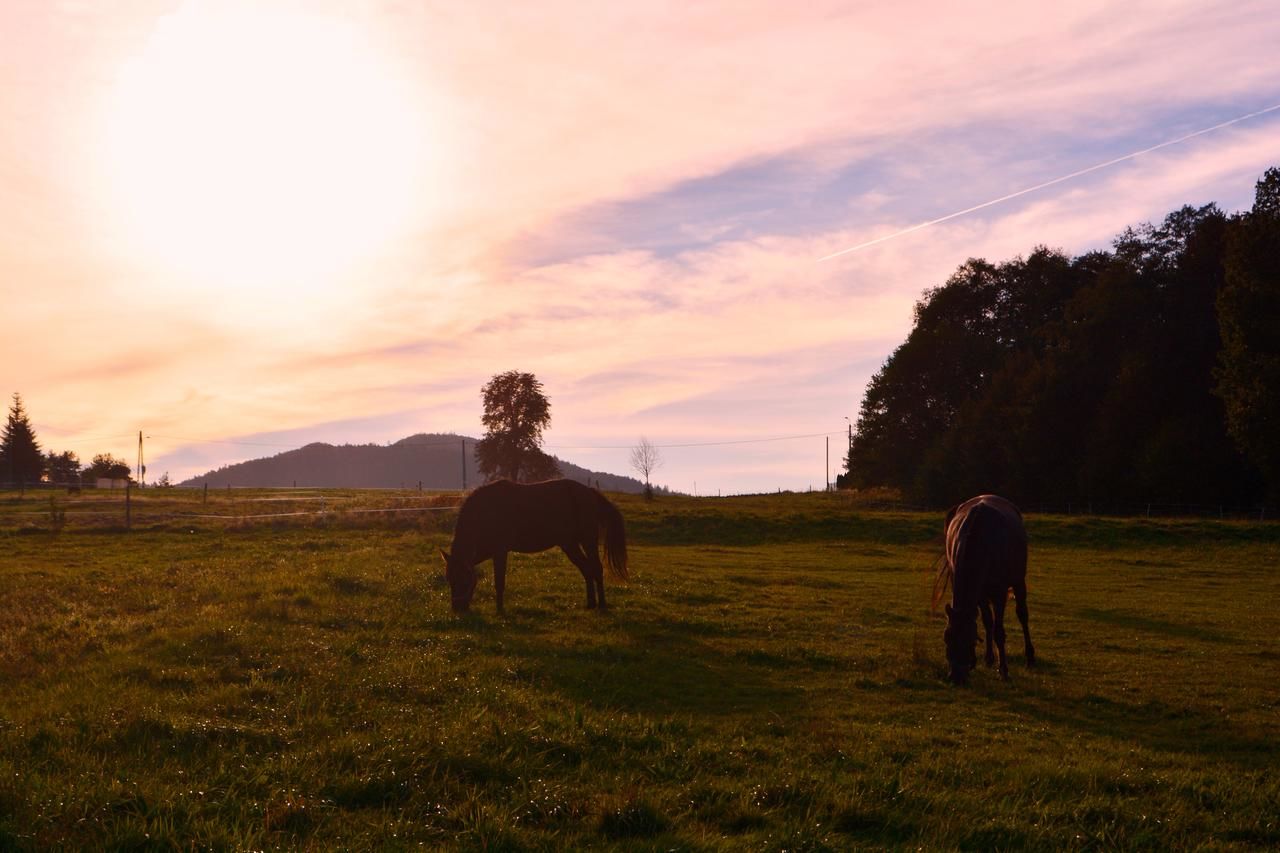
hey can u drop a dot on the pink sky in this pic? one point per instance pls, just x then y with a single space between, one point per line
277 223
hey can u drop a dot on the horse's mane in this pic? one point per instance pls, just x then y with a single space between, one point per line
942 572
942 568
945 573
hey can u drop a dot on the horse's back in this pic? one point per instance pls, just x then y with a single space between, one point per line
990 526
526 517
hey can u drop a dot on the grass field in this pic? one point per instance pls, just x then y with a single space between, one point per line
770 679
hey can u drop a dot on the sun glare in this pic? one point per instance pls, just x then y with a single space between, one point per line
261 149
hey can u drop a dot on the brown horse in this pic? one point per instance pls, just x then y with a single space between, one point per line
503 516
986 556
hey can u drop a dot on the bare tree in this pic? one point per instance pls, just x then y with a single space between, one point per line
645 459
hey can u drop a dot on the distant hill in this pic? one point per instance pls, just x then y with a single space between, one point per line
435 460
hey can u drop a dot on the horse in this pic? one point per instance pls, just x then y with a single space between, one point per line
985 557
503 516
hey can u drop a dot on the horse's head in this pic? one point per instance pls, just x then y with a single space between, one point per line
461 575
959 636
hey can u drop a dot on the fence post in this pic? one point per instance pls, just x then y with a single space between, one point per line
128 506
206 494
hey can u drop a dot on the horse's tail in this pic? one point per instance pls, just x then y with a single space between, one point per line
615 537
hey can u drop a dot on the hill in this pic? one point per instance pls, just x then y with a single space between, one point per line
432 459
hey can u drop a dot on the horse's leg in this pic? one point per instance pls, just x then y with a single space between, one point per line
499 576
589 542
998 629
579 559
1020 604
984 607
597 572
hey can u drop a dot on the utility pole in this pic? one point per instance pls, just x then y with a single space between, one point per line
828 463
142 470
464 464
848 460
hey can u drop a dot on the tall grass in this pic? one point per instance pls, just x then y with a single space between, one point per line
770 679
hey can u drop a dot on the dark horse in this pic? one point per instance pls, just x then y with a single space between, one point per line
986 556
503 516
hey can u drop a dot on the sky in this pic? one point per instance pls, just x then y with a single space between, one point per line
239 227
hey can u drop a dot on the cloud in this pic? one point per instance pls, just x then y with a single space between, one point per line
632 208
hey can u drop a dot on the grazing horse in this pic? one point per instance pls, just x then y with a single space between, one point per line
986 556
503 516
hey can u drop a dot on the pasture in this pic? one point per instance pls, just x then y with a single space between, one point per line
770 679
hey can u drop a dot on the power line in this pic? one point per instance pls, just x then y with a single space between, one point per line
696 443
453 442
294 445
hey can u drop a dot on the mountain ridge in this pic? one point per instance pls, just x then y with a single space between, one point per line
434 460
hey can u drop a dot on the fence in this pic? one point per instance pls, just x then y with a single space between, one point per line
174 508
56 509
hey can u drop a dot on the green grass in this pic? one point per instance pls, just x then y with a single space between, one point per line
771 679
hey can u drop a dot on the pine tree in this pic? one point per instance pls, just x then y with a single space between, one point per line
20 458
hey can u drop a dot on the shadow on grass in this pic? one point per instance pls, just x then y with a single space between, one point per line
1153 725
653 671
1123 619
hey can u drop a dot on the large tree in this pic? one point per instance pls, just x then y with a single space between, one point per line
1249 319
515 414
1090 380
62 468
20 458
106 466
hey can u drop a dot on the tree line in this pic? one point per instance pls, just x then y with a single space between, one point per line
23 462
1150 372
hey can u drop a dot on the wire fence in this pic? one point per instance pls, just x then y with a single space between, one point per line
58 510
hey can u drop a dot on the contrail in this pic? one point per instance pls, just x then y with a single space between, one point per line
1075 174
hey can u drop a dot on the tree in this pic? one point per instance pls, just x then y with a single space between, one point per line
105 466
645 459
62 467
1061 380
20 457
515 414
1249 316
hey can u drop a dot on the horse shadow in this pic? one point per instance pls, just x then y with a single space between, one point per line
1153 724
644 667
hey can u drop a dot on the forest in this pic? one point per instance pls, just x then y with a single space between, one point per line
1148 373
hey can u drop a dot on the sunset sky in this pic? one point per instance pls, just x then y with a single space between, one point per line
242 227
